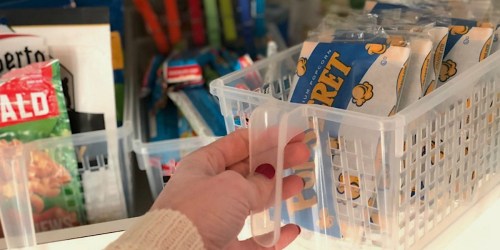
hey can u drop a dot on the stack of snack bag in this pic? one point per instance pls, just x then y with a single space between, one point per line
353 68
375 63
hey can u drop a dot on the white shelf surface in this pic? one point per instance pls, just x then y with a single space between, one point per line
477 227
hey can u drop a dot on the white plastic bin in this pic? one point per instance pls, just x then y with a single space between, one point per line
99 180
385 182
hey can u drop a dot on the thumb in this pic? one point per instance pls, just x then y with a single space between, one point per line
288 233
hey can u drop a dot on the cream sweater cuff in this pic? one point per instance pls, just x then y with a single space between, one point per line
160 229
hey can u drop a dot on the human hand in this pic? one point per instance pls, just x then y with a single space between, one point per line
214 188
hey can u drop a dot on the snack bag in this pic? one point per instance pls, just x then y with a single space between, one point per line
200 109
18 50
419 65
439 37
469 42
433 22
32 107
365 76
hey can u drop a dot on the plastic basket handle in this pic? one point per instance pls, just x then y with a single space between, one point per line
15 205
271 125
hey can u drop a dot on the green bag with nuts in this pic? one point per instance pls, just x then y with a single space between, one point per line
32 107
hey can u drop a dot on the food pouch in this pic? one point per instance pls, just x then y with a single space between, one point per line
200 109
19 50
32 107
417 76
431 22
469 42
364 76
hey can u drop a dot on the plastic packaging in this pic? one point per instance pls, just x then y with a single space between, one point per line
200 109
469 40
19 50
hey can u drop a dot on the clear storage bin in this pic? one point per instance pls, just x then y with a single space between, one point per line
385 182
103 180
160 159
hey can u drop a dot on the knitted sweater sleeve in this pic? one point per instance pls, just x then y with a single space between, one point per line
160 229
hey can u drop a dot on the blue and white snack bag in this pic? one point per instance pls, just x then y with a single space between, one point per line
469 42
362 76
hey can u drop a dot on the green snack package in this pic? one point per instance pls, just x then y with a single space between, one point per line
32 107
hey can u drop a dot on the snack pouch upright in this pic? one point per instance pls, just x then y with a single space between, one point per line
32 107
420 69
438 31
19 50
469 42
417 76
363 76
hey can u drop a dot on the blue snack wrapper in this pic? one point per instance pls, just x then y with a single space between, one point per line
201 110
362 76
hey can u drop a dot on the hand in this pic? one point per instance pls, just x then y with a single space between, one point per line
214 188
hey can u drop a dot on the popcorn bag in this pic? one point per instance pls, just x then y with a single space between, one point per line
469 42
365 76
32 107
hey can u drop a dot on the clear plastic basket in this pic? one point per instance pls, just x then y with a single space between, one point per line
160 159
100 175
387 182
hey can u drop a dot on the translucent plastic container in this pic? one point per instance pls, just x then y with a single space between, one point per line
160 159
385 182
100 175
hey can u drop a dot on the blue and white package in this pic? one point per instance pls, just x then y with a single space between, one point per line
359 76
201 110
469 42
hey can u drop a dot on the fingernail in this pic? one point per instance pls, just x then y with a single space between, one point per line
298 227
266 169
